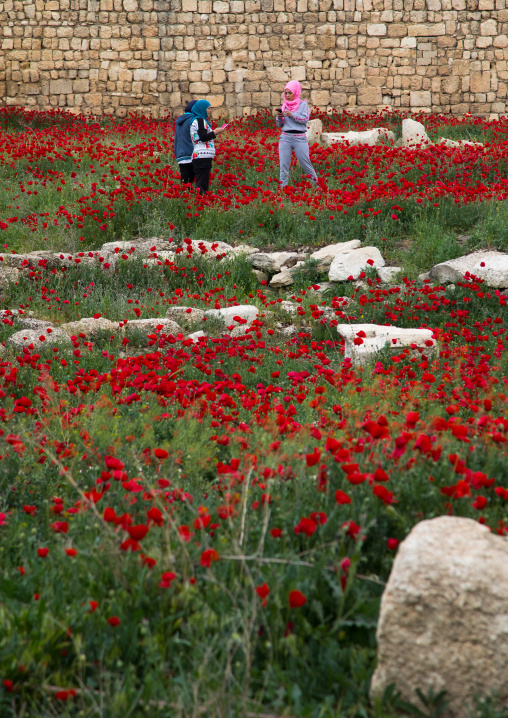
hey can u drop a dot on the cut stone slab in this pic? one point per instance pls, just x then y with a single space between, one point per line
372 338
353 263
494 271
25 337
314 130
246 311
388 274
443 621
271 263
160 325
90 326
185 315
368 137
325 256
8 275
414 134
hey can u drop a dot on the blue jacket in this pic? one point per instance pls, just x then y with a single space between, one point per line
183 142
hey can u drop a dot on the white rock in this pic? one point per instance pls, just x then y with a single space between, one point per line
227 314
378 337
90 326
413 134
196 336
325 256
353 263
368 137
424 276
494 272
314 130
388 274
25 337
282 279
136 247
443 622
271 263
458 143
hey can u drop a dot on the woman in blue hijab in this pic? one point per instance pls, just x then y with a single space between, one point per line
184 146
203 137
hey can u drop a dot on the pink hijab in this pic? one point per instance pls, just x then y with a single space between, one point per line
295 87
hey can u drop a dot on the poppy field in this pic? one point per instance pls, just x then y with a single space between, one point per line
203 526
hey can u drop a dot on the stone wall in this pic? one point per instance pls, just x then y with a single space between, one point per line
119 56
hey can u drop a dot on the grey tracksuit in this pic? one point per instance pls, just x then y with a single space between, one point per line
293 139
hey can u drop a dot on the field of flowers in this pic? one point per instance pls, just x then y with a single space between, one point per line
205 528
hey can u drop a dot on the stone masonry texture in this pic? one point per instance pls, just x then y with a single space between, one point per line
114 57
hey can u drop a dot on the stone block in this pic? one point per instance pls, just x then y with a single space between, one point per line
60 87
427 30
376 29
369 95
145 75
420 99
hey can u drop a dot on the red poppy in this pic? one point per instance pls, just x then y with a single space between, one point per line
114 621
42 552
208 556
296 599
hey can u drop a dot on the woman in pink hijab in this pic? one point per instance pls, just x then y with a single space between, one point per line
292 118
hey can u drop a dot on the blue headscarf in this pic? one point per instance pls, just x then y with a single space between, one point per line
200 108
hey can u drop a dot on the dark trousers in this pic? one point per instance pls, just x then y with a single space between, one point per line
202 169
187 175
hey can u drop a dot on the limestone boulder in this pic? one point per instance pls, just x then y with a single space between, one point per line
363 341
271 263
325 256
90 327
282 279
159 325
39 339
314 130
458 143
414 134
492 267
354 262
368 137
184 316
20 261
137 247
443 623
